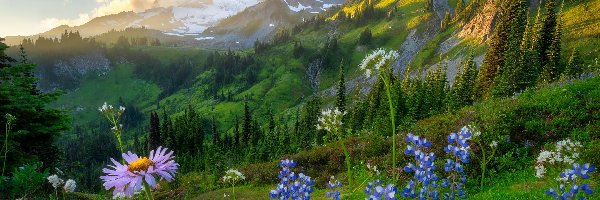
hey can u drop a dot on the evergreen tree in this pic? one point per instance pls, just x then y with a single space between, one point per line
247 125
574 65
458 11
446 21
340 101
463 89
166 133
552 68
36 123
23 55
154 136
365 37
547 30
494 57
512 69
5 60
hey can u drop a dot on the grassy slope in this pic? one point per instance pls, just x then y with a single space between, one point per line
518 184
94 91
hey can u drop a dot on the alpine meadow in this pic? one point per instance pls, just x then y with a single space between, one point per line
300 99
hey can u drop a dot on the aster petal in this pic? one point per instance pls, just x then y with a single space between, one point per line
150 180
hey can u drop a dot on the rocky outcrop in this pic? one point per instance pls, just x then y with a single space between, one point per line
481 26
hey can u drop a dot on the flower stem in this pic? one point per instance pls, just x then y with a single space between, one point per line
148 191
6 146
233 191
347 155
392 116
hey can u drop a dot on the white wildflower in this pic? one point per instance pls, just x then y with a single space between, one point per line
55 181
544 156
377 60
233 176
494 144
331 120
540 170
70 186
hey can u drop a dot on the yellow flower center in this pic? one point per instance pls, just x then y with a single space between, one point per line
141 164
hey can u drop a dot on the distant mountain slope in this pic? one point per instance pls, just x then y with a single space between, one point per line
187 19
260 21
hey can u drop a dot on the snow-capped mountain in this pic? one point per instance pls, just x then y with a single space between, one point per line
312 6
194 17
260 21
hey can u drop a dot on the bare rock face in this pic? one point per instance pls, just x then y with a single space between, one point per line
481 26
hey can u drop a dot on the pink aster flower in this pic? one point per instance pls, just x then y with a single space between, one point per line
128 179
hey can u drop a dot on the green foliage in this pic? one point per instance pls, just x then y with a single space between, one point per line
574 65
505 41
340 101
36 125
463 89
27 180
365 37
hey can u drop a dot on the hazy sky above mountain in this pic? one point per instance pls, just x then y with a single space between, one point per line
28 17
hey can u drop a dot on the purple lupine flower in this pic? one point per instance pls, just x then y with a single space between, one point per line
424 177
334 189
574 175
458 148
292 186
376 191
126 179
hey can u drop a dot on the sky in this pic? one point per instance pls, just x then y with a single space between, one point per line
29 17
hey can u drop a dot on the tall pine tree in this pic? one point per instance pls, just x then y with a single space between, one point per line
154 135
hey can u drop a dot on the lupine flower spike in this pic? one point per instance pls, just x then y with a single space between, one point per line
376 191
292 186
458 148
424 183
575 176
334 187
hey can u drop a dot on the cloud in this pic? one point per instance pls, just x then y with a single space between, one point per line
50 23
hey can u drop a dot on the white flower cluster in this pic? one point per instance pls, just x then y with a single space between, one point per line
10 118
109 108
233 176
373 168
378 59
566 152
70 186
494 144
472 129
331 120
55 181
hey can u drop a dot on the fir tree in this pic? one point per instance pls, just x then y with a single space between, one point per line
36 123
154 135
5 60
340 102
446 21
552 68
495 57
511 71
546 32
574 65
166 133
365 37
463 89
247 125
458 11
23 55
